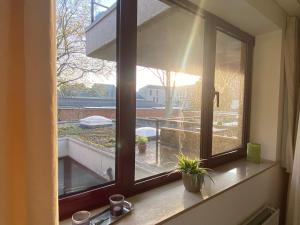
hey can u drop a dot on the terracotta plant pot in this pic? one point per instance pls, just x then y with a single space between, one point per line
193 182
142 147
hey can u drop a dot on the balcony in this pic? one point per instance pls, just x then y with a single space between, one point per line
86 156
156 21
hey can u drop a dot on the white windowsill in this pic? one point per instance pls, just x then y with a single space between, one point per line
165 202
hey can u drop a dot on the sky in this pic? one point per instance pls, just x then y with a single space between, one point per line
145 77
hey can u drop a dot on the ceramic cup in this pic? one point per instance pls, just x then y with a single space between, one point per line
81 218
116 204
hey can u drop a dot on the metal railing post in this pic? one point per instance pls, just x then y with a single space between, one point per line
92 10
157 138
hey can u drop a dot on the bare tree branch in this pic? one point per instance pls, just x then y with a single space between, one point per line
72 63
165 78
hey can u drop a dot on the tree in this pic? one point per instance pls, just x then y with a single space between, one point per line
229 83
197 96
104 90
72 17
165 78
77 90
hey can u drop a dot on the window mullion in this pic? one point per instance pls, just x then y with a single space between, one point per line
126 102
248 54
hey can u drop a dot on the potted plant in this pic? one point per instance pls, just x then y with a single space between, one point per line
192 173
142 143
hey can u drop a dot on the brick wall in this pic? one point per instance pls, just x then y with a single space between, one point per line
77 114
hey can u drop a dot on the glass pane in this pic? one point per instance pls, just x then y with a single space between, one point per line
169 80
86 102
229 86
102 6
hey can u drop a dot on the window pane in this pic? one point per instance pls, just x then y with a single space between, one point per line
229 86
101 7
169 80
86 101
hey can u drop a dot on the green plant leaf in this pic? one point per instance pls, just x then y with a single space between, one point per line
191 166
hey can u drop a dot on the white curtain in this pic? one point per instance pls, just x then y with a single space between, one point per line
28 156
293 211
291 130
291 92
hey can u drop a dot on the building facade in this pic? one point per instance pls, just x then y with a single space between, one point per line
181 95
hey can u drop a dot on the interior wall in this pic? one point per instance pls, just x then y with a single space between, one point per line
236 205
266 104
271 10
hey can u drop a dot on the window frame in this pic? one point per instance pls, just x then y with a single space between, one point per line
126 42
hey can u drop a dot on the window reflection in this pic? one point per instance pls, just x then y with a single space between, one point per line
229 84
169 85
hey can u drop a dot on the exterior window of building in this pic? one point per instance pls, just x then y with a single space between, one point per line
86 104
129 101
229 86
174 127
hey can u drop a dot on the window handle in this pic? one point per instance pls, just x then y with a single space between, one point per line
217 94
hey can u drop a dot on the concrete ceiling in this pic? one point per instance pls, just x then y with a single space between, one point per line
244 14
171 38
292 7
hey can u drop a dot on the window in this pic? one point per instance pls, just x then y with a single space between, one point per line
161 77
86 105
173 125
229 89
99 8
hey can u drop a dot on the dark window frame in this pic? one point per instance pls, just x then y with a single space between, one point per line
126 108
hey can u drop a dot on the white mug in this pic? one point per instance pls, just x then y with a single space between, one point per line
81 218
